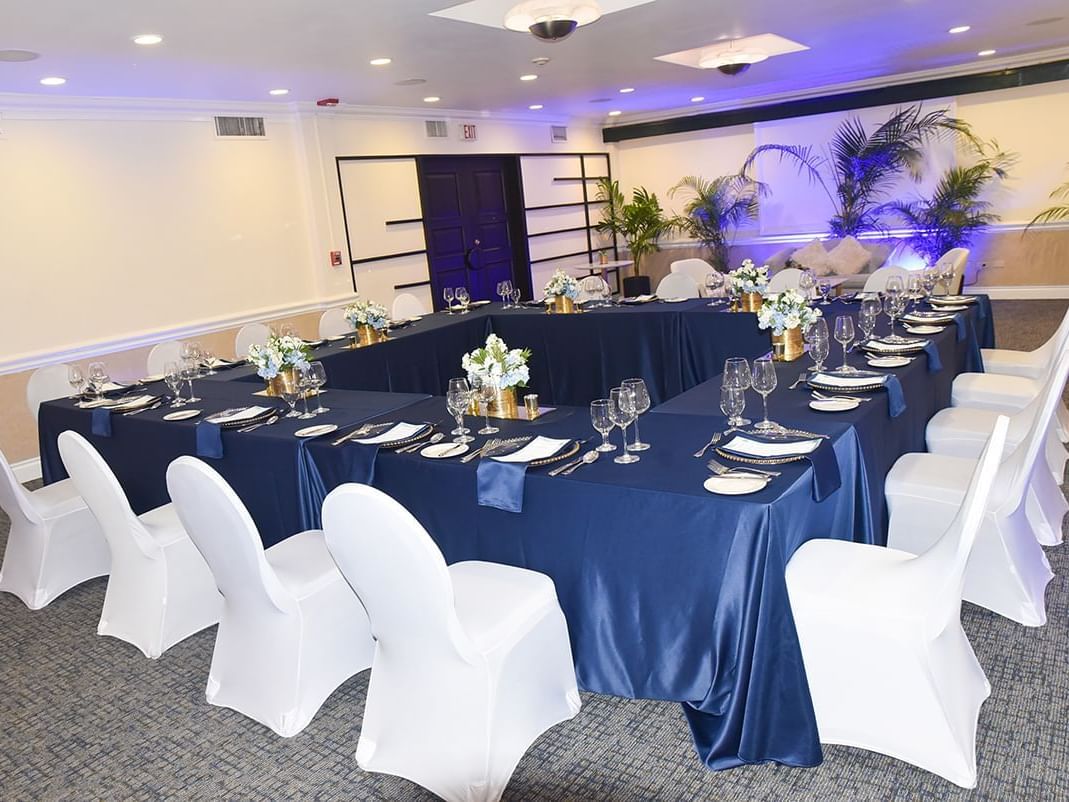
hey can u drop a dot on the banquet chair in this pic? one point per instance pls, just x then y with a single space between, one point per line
1007 572
785 279
961 432
45 384
956 257
160 355
677 285
593 288
407 305
54 542
248 335
877 280
291 629
160 590
889 666
697 269
472 661
332 323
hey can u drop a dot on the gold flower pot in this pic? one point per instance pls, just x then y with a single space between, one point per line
286 378
750 301
502 405
562 305
788 346
365 335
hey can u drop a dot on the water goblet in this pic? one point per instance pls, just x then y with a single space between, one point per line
463 298
737 374
458 399
98 378
447 295
732 404
515 297
824 287
894 304
602 422
506 292
642 404
714 282
318 373
486 389
764 382
806 282
172 374
305 384
816 337
622 413
76 379
190 371
844 335
207 360
866 319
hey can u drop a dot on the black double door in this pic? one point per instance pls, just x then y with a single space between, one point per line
473 223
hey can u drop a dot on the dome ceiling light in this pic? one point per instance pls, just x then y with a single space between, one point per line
734 56
550 21
730 61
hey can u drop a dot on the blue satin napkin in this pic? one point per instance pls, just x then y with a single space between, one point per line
935 364
209 440
826 476
500 484
959 321
362 457
896 402
102 422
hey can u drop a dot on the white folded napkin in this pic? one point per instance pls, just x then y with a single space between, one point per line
928 316
836 380
880 345
539 448
130 403
758 448
244 414
155 377
953 299
400 431
639 299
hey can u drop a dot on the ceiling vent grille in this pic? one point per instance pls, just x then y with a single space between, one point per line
437 129
558 133
240 126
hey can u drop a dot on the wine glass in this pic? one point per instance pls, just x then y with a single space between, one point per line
602 421
305 384
458 399
499 291
190 352
929 279
172 374
732 404
844 335
447 295
642 404
189 371
714 282
317 372
764 381
622 413
463 298
947 276
824 287
486 388
894 303
816 336
806 282
207 359
737 374
506 292
98 378
866 319
290 392
915 289
76 379
515 296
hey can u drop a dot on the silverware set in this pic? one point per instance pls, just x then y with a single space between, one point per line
269 422
437 437
720 469
153 405
824 397
494 446
570 467
712 442
363 431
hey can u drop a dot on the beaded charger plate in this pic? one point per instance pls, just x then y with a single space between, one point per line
239 422
895 349
567 451
423 434
837 388
770 460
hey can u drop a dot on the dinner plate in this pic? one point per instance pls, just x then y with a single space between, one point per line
952 299
732 486
945 308
445 450
477 304
924 329
889 361
182 414
834 404
674 300
316 431
235 423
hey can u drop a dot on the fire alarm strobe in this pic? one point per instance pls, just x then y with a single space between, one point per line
327 101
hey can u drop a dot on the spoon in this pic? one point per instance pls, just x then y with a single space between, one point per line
588 457
437 437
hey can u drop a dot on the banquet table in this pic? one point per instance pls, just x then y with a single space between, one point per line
670 593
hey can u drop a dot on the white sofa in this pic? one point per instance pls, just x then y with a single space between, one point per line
848 260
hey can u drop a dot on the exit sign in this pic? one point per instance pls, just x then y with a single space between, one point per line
468 132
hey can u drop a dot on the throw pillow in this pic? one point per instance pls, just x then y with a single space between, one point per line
849 257
814 257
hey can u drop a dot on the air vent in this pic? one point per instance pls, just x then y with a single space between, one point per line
558 133
437 129
239 126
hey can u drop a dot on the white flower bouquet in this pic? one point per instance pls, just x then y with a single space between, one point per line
277 354
786 310
367 313
498 363
748 278
561 284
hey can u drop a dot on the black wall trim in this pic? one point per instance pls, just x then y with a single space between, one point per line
556 231
386 256
426 283
570 255
404 222
580 178
560 205
884 96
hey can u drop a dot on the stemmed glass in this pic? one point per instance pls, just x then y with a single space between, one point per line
317 376
463 298
506 292
866 318
172 374
737 375
929 278
486 389
500 292
894 303
622 413
732 403
642 404
190 352
207 359
844 335
806 282
714 281
189 371
824 286
947 276
76 379
764 381
290 393
457 400
447 295
816 336
915 289
305 384
602 421
515 295
98 378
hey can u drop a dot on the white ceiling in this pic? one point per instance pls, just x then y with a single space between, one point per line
239 49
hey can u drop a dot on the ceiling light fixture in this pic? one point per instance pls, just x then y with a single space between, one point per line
146 39
960 29
535 106
279 92
697 99
984 53
615 113
529 77
431 99
729 60
380 62
551 21
627 90
53 81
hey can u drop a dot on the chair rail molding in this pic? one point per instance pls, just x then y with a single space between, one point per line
28 470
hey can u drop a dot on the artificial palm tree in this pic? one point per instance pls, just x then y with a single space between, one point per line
641 222
1055 213
715 209
955 211
857 168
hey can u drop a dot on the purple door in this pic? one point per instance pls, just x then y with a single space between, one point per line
466 220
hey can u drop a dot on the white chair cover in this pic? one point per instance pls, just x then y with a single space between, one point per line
407 305
889 667
593 288
1008 571
160 590
877 280
291 630
677 285
697 269
785 279
249 334
45 384
160 355
956 257
54 542
472 662
332 323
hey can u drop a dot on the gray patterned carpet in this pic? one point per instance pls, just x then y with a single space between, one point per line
85 717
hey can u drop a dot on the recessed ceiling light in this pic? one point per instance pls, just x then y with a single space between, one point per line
148 39
279 92
431 99
540 61
12 56
535 106
379 62
1045 21
960 29
615 113
601 100
697 99
411 82
983 53
53 81
529 77
627 90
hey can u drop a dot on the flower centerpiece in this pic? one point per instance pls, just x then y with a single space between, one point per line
749 283
278 360
788 314
561 291
369 320
504 368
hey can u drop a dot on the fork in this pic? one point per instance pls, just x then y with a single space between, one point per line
712 441
822 397
367 428
269 422
720 469
154 405
799 380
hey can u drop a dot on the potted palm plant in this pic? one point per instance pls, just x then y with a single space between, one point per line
715 209
1054 214
640 222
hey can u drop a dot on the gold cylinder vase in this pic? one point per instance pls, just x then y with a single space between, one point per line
788 346
502 405
750 301
562 305
364 335
286 379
